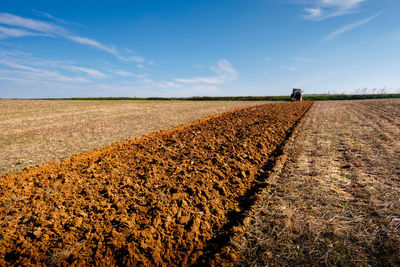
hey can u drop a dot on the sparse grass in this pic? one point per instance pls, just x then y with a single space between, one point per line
337 201
36 131
57 257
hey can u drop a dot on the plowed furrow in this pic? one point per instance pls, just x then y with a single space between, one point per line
154 200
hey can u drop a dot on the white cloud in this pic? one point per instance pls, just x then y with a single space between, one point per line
207 80
138 59
36 25
22 66
289 68
147 80
93 43
224 72
313 12
40 75
90 72
323 9
267 58
17 66
351 26
56 76
26 27
124 73
49 29
341 3
13 32
29 81
49 16
27 59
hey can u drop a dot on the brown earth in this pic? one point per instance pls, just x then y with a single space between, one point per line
155 200
337 200
38 131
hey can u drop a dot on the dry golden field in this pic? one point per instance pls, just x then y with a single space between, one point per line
36 131
337 200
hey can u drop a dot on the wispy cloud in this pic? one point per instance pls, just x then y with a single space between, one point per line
351 26
313 13
124 73
31 27
31 24
29 80
21 69
40 75
93 43
23 66
147 80
49 16
91 72
17 66
133 58
16 33
224 72
289 68
323 9
267 58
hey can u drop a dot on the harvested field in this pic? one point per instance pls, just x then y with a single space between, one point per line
337 201
159 199
37 131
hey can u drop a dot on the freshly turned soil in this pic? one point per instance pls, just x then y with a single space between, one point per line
156 200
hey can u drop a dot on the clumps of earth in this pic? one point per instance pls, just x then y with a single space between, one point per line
155 200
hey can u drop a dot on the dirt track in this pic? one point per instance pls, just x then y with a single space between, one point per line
154 200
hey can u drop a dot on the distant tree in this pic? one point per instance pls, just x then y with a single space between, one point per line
382 90
364 91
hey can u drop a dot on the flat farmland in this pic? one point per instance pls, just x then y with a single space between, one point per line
337 200
157 200
283 184
37 131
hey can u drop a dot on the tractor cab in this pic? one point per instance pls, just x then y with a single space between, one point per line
297 95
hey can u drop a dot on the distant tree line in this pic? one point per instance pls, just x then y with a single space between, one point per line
362 93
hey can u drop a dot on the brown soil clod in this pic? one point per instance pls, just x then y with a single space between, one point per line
169 198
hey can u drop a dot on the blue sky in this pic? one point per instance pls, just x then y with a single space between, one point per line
197 48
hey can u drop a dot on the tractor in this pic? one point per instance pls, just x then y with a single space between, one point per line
297 95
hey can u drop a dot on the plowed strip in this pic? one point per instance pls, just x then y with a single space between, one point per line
154 200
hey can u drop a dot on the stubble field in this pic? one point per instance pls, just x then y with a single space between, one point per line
337 200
